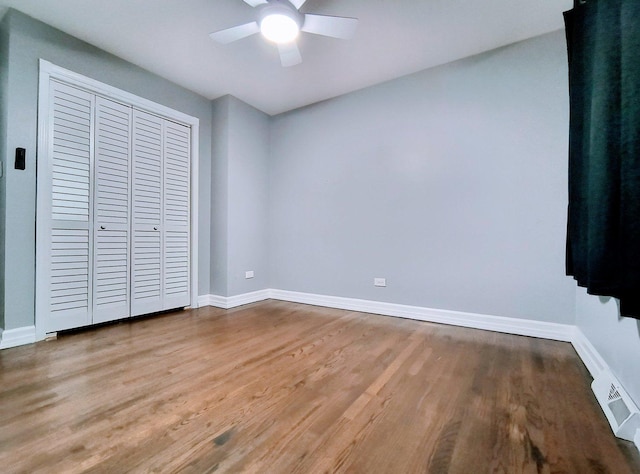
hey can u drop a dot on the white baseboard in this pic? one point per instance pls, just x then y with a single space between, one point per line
590 356
228 302
522 327
17 337
204 300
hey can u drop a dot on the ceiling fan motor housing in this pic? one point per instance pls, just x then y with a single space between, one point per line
281 7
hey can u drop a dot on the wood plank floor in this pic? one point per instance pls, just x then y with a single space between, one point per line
278 387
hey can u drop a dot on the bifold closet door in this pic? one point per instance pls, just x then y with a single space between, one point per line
176 206
70 234
146 190
161 214
111 269
114 209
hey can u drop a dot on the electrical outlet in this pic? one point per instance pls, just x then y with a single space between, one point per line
379 282
248 274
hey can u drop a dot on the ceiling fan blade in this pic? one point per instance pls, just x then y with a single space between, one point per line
334 26
298 3
255 3
235 33
289 54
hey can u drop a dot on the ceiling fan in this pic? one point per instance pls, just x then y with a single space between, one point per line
280 21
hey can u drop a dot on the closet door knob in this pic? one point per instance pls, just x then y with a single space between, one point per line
102 227
155 228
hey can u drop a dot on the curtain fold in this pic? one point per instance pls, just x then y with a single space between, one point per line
603 229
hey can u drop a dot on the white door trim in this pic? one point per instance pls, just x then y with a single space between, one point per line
50 71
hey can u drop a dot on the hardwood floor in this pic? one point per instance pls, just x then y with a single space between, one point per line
278 387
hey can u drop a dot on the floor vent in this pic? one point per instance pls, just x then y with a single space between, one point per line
622 413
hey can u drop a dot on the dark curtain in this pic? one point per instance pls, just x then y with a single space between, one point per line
603 234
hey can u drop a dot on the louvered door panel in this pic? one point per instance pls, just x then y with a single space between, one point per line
70 271
70 233
71 158
176 206
111 211
146 285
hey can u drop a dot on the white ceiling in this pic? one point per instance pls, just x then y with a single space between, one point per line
394 38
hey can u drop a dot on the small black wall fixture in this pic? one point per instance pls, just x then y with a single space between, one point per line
603 231
21 161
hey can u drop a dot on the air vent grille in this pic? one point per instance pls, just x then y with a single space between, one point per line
613 393
623 415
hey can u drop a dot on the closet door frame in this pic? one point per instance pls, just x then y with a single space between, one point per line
49 71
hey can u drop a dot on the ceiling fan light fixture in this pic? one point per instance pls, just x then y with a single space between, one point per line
280 21
279 28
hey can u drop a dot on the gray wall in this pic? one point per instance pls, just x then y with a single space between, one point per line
30 40
248 198
4 84
450 183
615 338
219 196
240 198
